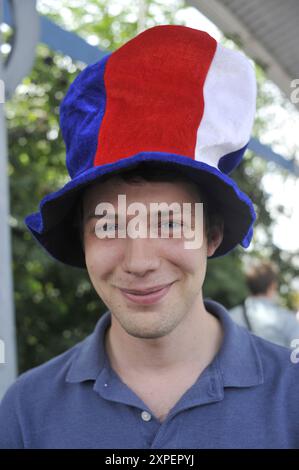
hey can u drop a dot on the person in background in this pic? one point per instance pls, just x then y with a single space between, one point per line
261 312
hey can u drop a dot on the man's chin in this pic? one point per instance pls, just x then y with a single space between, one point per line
147 334
148 329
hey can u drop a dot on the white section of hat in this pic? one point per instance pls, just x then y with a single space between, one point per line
229 106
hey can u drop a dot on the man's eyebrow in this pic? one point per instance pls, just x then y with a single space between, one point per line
170 212
112 215
92 215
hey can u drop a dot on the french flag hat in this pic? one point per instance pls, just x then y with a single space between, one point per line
171 94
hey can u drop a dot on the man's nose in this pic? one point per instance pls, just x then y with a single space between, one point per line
140 256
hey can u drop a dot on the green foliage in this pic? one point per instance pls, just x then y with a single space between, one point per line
55 304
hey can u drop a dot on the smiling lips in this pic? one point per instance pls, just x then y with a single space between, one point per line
146 296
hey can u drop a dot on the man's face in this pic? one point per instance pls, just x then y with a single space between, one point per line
121 269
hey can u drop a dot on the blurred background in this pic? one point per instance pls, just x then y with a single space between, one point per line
54 306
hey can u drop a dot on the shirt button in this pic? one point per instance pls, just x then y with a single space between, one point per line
146 416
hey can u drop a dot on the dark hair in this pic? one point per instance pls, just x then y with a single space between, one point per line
261 276
166 172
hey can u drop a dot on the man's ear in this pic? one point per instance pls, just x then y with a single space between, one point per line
215 238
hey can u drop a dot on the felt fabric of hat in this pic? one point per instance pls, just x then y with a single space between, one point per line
171 95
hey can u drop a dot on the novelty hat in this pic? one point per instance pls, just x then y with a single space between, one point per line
170 95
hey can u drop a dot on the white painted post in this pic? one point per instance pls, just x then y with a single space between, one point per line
26 23
8 363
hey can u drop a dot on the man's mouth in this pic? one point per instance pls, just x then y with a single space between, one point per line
146 296
145 291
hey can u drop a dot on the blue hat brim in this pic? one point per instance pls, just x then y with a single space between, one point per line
53 226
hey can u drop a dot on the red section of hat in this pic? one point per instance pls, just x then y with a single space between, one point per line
154 89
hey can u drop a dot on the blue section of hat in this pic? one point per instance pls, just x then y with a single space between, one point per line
81 114
229 162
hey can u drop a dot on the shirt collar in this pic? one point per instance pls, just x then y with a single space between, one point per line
90 355
238 358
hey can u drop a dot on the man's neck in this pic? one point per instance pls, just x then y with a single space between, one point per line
194 343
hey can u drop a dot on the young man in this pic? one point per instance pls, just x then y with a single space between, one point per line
261 312
163 368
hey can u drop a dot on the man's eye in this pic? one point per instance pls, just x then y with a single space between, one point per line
109 227
172 224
